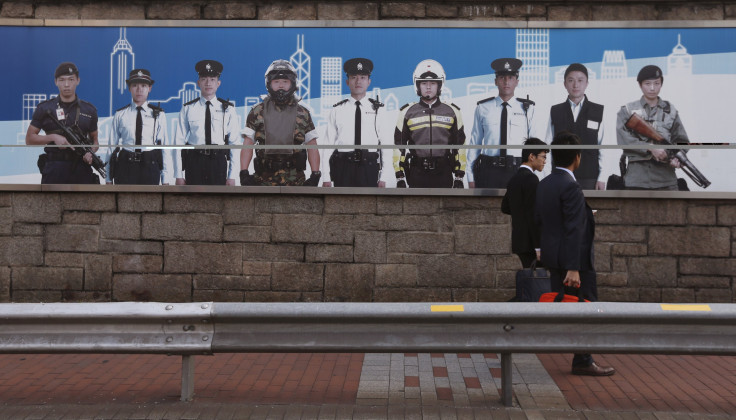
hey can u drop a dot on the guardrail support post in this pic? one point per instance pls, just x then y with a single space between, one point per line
187 377
507 392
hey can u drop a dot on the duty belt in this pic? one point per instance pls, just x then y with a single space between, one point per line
62 155
427 163
209 152
357 156
276 164
499 161
136 157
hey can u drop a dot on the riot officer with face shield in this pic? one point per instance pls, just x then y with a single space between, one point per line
429 122
280 120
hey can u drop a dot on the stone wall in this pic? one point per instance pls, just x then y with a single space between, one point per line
118 246
570 10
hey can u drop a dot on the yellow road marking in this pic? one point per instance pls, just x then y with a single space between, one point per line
448 308
674 307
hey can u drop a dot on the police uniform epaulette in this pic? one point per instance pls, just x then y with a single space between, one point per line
225 102
121 108
455 106
525 101
340 103
48 100
82 101
192 101
486 100
406 106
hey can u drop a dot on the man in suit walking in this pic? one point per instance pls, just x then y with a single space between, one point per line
567 231
521 193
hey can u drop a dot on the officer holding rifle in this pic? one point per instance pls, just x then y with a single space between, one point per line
650 169
60 117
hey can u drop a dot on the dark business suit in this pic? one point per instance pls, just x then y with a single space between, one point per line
521 193
567 231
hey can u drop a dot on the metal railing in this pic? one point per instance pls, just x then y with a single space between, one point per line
189 329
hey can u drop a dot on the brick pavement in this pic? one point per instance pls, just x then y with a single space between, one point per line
371 386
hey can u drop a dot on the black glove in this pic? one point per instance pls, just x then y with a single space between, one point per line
313 180
246 178
401 183
458 183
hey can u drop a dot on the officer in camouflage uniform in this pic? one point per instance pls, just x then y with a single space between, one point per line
650 169
280 120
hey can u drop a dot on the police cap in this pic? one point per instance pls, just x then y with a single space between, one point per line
506 66
208 68
358 66
139 76
576 67
649 72
65 69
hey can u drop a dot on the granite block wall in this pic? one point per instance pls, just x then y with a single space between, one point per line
119 246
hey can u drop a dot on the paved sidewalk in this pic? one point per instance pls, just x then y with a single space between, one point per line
370 386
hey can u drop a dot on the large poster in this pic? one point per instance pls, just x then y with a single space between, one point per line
699 66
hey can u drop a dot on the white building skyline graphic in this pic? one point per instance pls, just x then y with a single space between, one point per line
302 62
532 48
122 61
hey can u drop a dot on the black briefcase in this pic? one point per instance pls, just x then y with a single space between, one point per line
531 283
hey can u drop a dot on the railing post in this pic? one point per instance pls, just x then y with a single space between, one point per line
187 377
507 393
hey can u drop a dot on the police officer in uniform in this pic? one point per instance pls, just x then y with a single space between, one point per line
63 165
280 120
138 123
650 169
355 121
500 120
580 116
207 120
429 122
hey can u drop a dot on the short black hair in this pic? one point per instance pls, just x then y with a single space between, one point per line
565 157
532 141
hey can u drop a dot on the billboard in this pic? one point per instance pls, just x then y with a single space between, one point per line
699 66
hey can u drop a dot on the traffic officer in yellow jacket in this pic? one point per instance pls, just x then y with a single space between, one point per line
429 122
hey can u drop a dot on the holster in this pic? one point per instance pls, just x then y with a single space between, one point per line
41 162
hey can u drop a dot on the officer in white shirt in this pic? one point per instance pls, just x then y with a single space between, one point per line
501 120
207 120
356 121
138 124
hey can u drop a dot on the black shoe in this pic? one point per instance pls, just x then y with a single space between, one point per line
593 370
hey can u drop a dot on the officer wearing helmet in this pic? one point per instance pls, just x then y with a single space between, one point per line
204 121
280 120
499 121
429 122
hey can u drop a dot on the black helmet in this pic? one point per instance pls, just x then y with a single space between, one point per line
281 69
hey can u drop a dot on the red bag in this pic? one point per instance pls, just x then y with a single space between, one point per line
561 297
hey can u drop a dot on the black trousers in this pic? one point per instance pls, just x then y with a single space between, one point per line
494 172
438 175
588 290
65 167
351 169
142 168
206 169
527 258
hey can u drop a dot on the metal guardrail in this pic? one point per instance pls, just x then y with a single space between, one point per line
206 328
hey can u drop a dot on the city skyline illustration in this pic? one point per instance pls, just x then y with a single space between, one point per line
321 80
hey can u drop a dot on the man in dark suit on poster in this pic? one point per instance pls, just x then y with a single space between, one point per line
567 231
521 193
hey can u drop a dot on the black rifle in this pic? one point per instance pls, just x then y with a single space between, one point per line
75 137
